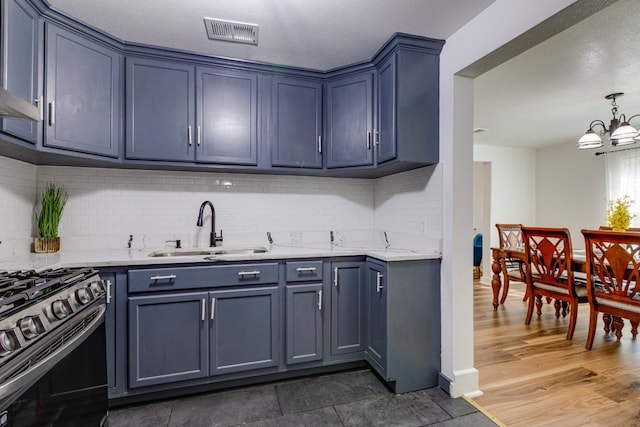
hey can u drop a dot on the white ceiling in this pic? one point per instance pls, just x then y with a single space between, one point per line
545 96
316 34
549 94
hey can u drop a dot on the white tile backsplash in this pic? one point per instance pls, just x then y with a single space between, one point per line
107 205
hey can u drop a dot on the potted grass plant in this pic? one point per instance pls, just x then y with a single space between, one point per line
51 204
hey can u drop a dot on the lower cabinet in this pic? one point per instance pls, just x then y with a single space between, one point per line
183 336
304 323
376 317
347 307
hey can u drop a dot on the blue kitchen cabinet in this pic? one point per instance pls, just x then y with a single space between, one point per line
168 338
408 104
348 287
243 333
304 322
296 122
227 116
83 94
21 62
376 317
160 105
403 322
349 120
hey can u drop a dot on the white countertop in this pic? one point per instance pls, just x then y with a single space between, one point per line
127 257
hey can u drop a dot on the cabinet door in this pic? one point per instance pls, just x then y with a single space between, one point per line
386 137
304 323
227 116
296 123
349 118
376 317
83 94
160 110
347 307
244 329
167 338
20 62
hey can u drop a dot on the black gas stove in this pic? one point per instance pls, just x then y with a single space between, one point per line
45 318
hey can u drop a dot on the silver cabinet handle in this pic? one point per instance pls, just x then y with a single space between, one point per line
213 308
376 139
319 143
335 276
203 308
305 269
249 273
368 140
379 286
320 300
108 291
167 277
40 105
189 136
52 113
198 135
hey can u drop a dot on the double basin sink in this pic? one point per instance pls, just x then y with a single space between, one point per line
231 250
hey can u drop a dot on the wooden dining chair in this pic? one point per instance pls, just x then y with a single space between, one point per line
613 264
510 236
549 273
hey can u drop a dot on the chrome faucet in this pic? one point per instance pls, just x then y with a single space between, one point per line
213 238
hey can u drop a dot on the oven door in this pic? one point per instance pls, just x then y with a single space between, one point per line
68 387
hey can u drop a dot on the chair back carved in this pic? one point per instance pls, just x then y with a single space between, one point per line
548 255
510 235
613 263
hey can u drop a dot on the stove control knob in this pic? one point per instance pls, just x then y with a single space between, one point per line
97 288
83 295
60 309
29 327
7 343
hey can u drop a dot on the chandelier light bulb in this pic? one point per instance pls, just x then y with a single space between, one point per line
590 140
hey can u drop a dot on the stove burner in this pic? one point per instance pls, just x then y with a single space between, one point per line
20 287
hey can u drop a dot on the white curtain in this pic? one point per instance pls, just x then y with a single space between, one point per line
623 178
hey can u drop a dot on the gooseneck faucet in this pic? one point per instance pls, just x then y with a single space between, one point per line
213 238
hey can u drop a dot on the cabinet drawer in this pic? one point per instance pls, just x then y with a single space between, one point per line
154 279
300 271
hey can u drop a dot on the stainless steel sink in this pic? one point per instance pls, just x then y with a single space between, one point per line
230 250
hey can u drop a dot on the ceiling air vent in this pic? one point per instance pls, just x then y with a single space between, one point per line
239 32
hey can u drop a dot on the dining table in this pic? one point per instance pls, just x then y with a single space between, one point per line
578 264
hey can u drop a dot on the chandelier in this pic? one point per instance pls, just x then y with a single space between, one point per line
619 130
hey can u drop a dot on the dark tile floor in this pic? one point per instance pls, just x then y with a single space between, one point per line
352 398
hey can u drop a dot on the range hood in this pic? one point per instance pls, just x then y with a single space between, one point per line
13 106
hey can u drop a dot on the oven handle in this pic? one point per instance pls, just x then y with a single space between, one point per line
19 384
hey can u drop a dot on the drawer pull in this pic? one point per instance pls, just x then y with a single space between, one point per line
305 269
249 273
108 291
320 300
167 277
335 276
379 286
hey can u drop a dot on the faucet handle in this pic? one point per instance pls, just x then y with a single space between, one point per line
177 242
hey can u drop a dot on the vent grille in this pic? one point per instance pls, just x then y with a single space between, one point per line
239 32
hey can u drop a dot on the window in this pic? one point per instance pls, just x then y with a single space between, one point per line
623 177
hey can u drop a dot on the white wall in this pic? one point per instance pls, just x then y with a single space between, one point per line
513 185
492 28
17 196
570 190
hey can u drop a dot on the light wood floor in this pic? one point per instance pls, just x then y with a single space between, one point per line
532 376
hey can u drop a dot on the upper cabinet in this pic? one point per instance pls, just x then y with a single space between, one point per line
178 113
83 94
20 66
174 109
227 116
349 121
296 122
408 103
160 105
